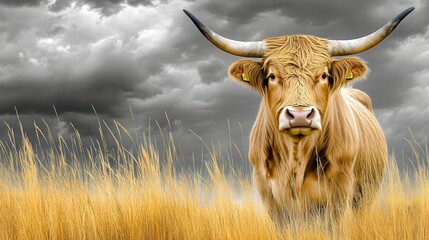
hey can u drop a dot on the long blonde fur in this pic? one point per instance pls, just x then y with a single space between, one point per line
337 167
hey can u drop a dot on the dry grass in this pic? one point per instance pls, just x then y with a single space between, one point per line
76 192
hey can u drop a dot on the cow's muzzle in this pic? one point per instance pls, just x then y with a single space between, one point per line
299 120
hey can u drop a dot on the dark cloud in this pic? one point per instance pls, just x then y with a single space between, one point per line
330 19
135 3
59 5
55 30
107 88
22 2
241 12
16 22
211 70
104 7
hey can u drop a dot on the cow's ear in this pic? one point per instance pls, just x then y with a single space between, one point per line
248 72
347 70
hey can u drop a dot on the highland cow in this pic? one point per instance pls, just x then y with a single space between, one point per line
316 143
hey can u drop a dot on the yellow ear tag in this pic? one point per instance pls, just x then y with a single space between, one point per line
350 76
244 77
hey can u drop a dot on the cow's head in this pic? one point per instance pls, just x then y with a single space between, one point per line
297 74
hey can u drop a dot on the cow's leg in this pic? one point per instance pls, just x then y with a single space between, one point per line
369 181
340 186
265 192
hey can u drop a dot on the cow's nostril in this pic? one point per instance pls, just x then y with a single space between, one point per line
311 114
289 115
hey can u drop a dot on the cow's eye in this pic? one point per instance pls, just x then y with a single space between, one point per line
324 76
271 76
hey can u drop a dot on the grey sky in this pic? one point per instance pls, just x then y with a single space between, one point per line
148 56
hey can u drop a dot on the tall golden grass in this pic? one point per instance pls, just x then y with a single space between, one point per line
69 191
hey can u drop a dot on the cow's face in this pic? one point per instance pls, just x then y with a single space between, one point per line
296 82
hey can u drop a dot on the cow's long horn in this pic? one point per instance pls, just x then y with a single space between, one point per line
354 46
244 49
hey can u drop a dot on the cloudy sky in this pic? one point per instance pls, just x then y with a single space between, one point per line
144 55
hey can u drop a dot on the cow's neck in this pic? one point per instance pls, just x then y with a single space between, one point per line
292 157
297 153
294 150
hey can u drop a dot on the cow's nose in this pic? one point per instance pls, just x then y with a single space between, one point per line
300 117
300 120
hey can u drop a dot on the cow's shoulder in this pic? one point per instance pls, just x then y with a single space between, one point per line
360 96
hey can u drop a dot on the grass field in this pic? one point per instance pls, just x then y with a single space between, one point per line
71 191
